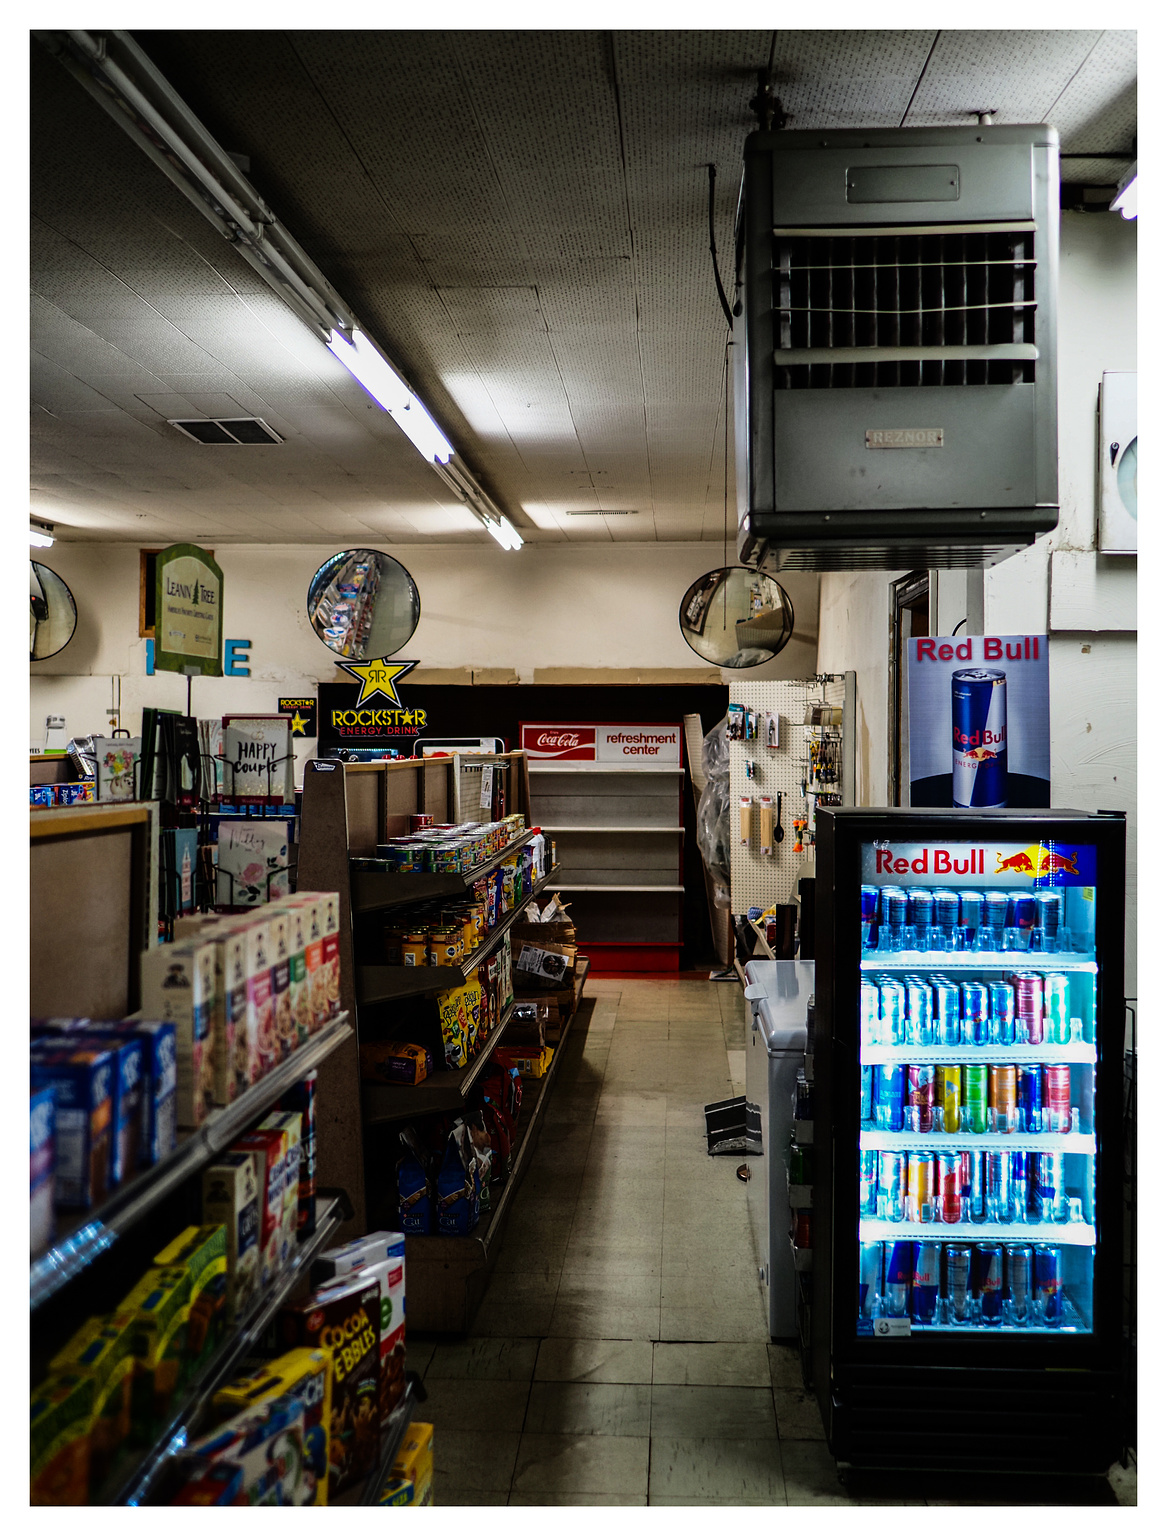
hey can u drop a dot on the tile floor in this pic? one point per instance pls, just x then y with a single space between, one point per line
621 1353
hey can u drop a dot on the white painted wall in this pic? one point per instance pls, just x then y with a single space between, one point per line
1092 671
606 606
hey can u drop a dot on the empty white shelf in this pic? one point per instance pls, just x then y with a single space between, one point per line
673 831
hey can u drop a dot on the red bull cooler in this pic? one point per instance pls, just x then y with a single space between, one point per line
979 749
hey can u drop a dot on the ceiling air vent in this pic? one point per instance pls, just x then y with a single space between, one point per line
632 513
232 430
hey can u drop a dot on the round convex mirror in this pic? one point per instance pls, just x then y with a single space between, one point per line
735 617
363 604
53 616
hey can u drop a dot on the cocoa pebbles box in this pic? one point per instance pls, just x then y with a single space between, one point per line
345 1317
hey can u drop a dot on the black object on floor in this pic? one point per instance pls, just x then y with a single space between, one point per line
733 1125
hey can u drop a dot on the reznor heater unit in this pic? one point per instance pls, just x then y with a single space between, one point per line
896 362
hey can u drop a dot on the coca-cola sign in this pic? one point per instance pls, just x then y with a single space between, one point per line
574 743
624 746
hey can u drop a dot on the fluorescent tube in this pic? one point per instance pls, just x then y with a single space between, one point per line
370 370
503 532
40 540
422 430
1126 201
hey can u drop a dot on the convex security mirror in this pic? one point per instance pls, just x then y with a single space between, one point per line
363 603
53 615
736 617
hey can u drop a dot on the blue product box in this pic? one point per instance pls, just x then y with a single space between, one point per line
129 1095
38 1027
41 794
42 1161
83 1080
160 1087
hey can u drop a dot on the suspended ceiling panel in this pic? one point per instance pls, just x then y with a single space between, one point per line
519 218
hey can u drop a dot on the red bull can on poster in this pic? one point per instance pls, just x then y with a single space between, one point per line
979 766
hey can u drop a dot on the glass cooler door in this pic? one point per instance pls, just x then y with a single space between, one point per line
977 1044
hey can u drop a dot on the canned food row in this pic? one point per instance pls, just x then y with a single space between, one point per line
1000 1188
895 917
1030 1099
444 849
1019 1285
1026 1008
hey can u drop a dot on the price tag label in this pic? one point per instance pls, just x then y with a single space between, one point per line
892 1327
487 786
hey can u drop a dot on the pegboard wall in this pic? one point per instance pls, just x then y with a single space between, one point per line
757 880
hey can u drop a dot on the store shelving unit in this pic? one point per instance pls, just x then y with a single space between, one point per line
619 836
443 1091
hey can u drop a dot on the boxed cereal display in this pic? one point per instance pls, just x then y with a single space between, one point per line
379 1256
311 907
178 984
42 1164
202 1252
303 1374
281 995
300 1099
103 1350
267 1149
159 1084
266 1443
126 1101
159 1304
259 1045
82 1079
231 1198
344 1317
330 949
411 1482
299 989
290 1123
60 1412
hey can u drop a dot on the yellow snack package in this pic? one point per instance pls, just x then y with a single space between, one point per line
61 1411
159 1302
102 1349
202 1252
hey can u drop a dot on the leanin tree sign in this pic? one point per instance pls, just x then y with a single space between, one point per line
188 622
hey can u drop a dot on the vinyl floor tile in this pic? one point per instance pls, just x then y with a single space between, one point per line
474 1458
454 1496
501 1359
616 1465
609 1360
452 1405
710 1365
797 1413
716 1413
724 1471
588 1408
575 1498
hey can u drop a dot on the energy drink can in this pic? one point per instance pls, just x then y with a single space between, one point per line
958 1263
1022 916
888 1094
949 1091
1029 995
945 1012
868 1184
1001 1004
1048 1291
921 1187
995 920
892 1010
925 1281
918 1011
972 906
922 911
979 746
988 1263
1019 1282
899 1265
948 1186
1049 920
974 1013
1029 1099
1055 1096
998 1187
921 1097
868 1012
870 1278
1052 1186
868 912
1057 1008
1003 1098
972 1172
946 905
892 1180
974 1088
865 1094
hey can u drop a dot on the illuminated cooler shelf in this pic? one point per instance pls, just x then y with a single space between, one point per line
1071 1323
926 960
962 1141
980 1055
1076 1234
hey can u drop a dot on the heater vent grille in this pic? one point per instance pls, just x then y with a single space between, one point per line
228 430
965 301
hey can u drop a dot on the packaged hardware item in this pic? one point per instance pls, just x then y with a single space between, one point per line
344 1318
220 1482
60 1413
302 1374
415 1202
300 1099
267 1443
281 996
42 1167
159 1304
82 1080
126 1101
178 984
380 1255
288 1121
159 1084
103 1349
268 1149
202 1252
411 1481
231 1199
394 1061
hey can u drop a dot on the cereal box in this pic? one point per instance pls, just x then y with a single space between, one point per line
281 995
230 1005
413 1468
268 1148
303 1374
160 1083
344 1317
42 1163
126 1101
159 1303
216 1483
82 1079
103 1349
260 1044
380 1255
300 1099
394 1061
330 948
178 984
61 1409
310 906
452 1018
202 1252
231 1198
267 1443
289 1123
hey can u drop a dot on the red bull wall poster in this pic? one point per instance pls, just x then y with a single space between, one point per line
978 721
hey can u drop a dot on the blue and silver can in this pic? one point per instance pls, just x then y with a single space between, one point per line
1049 919
1029 1099
892 1009
974 1013
972 907
1048 1291
888 1097
947 908
979 765
869 1184
869 1031
918 1008
1000 1013
865 1094
870 1278
922 912
995 920
946 1013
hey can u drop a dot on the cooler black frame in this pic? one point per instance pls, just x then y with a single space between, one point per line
1039 1402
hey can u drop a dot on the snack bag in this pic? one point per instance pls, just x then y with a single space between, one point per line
231 1199
453 1026
302 1374
458 1189
414 1191
472 1002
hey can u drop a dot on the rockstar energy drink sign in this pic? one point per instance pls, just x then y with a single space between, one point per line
372 715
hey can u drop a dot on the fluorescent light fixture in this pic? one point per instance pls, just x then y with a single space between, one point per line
40 535
423 431
1125 201
370 370
503 532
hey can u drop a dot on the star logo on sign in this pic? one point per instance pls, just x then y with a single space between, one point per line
378 677
300 724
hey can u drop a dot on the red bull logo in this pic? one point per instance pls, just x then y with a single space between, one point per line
1018 864
1052 862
